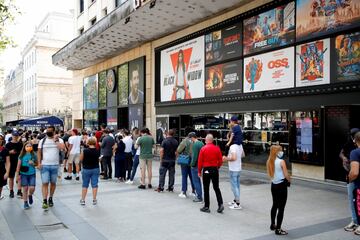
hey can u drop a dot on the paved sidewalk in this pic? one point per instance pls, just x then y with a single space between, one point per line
313 211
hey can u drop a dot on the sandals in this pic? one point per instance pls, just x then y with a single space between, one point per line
280 232
272 227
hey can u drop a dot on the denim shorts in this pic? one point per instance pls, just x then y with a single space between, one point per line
49 173
90 175
28 180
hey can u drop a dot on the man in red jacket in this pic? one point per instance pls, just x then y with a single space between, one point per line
209 162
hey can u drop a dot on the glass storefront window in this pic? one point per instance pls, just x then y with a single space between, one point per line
90 120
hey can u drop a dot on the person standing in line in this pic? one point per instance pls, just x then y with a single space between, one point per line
280 180
99 134
106 145
167 161
345 157
136 153
185 148
74 154
90 171
4 165
354 177
8 136
146 143
48 157
196 147
26 169
119 149
14 147
128 153
234 160
209 162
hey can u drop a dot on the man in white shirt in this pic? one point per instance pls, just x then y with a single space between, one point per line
48 156
128 152
74 154
8 136
234 159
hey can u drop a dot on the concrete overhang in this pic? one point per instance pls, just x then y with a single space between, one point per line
127 27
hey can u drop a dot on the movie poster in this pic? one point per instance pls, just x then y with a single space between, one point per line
91 92
90 120
136 81
270 29
223 44
182 71
162 126
223 79
102 89
269 71
313 63
123 84
111 118
347 48
136 117
316 18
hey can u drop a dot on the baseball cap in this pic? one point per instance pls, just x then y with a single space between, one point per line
15 133
234 119
191 135
75 131
353 131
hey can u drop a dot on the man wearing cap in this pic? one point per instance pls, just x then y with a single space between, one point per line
74 154
345 157
14 147
196 147
236 136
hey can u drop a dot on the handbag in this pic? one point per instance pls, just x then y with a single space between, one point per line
286 182
183 159
24 169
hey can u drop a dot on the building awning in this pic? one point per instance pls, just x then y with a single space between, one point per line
42 122
127 27
13 123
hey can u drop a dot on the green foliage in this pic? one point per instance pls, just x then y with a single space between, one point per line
8 12
123 84
102 89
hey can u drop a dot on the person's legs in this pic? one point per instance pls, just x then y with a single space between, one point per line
197 182
45 179
275 205
77 163
215 181
117 166
350 190
108 163
149 170
162 173
191 179
25 186
94 182
206 183
122 168
53 178
184 173
11 184
171 175
129 165
70 164
134 168
234 182
85 174
282 203
142 170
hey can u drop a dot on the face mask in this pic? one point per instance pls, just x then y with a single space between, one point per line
280 154
28 149
50 134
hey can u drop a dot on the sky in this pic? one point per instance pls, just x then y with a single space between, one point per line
32 12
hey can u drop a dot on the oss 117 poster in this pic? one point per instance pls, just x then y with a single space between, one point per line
347 49
223 79
269 71
316 18
313 63
90 92
223 44
182 71
270 29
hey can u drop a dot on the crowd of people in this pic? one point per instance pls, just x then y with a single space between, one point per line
92 154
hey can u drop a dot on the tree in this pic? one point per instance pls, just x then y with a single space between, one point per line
8 11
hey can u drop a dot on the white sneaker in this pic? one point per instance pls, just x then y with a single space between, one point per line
351 227
82 202
235 207
357 230
129 182
192 194
2 197
231 203
182 195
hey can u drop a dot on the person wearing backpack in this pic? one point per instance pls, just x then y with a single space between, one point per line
184 159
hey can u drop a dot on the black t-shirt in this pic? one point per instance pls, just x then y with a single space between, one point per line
348 147
14 146
169 145
3 154
355 156
91 158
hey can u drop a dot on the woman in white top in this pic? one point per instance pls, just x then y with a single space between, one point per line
280 179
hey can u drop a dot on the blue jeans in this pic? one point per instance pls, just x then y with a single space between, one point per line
134 167
235 184
28 180
185 172
350 190
197 182
49 173
90 175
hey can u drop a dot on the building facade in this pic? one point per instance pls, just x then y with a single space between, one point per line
47 88
296 85
13 96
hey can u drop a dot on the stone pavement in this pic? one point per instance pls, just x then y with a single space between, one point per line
314 211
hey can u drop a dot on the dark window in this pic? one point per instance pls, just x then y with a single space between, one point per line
81 6
119 2
93 21
105 11
81 30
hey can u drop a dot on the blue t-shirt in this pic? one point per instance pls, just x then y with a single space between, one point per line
25 162
238 136
355 156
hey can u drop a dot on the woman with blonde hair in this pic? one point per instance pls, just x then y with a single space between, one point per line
280 180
